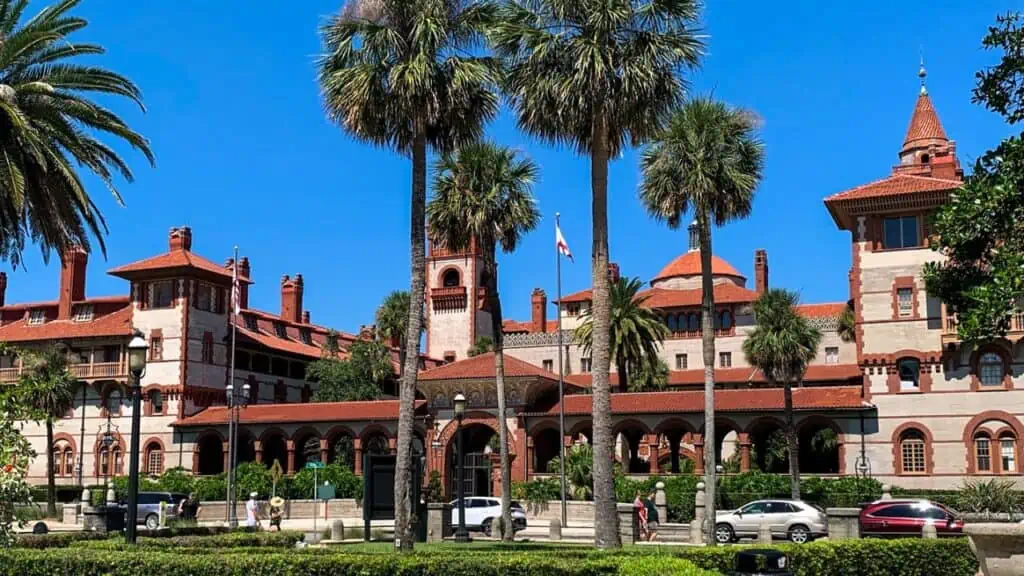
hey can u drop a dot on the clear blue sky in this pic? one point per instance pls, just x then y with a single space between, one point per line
245 156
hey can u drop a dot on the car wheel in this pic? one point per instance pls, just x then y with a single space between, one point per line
152 522
724 534
486 527
799 534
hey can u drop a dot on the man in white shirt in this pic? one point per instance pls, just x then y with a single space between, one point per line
251 516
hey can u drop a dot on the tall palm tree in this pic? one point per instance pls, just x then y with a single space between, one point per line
635 331
406 75
848 323
708 159
48 125
482 192
392 320
782 345
51 392
599 76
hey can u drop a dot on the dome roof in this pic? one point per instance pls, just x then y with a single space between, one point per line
688 264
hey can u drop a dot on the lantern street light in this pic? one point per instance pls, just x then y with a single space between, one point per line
237 399
137 350
461 534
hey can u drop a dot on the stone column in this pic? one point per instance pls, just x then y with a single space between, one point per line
744 442
698 449
529 457
660 502
392 446
627 528
290 446
697 526
226 453
439 521
357 451
257 447
652 454
886 492
843 523
324 451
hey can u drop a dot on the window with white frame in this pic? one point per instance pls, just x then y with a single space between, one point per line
36 317
832 355
681 362
549 365
990 369
912 452
909 373
572 309
905 301
983 453
725 359
83 313
1008 454
585 365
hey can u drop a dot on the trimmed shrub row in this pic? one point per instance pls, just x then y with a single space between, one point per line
283 540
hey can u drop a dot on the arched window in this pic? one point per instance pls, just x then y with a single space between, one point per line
983 453
63 458
910 373
694 323
673 325
450 278
156 401
1008 454
925 159
726 320
154 459
990 369
111 461
912 456
69 461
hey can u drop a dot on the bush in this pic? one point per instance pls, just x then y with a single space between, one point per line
345 482
55 539
284 539
177 481
537 493
988 496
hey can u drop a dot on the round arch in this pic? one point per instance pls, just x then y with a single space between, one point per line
307 446
820 453
208 454
274 446
1012 428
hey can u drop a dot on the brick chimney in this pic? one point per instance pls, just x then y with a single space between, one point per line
613 272
539 311
305 317
760 271
72 280
3 288
291 298
180 239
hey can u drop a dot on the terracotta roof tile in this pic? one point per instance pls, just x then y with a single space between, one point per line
581 296
924 123
482 367
175 259
895 185
815 373
826 310
105 323
310 412
512 326
831 397
281 344
727 293
688 264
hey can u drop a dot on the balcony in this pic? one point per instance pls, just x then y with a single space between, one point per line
949 335
96 371
448 299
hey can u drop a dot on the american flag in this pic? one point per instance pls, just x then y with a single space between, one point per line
560 243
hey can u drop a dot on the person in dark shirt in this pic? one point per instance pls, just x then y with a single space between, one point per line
652 517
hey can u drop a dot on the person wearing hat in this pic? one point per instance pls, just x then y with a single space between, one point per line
252 519
276 512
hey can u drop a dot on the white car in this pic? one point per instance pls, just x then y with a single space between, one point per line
481 513
794 520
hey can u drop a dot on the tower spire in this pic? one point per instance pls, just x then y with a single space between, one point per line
922 74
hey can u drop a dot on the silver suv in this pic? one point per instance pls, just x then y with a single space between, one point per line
149 507
794 520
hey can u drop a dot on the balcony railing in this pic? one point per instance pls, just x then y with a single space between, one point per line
81 371
949 324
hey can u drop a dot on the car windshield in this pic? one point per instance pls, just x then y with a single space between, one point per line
515 504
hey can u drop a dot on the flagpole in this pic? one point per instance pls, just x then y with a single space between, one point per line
232 427
561 382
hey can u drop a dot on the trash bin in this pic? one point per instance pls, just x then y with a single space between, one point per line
762 561
115 516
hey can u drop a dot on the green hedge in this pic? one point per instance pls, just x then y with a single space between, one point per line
284 539
56 561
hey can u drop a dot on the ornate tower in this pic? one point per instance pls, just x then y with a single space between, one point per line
455 307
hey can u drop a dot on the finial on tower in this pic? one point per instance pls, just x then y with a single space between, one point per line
922 74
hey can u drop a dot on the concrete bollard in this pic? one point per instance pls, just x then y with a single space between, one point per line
698 514
555 529
111 497
696 534
660 501
886 492
928 531
764 532
337 531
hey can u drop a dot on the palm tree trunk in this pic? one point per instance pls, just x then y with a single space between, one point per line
507 533
407 390
606 522
708 342
791 441
51 481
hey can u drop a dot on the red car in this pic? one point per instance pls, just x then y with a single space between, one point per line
906 518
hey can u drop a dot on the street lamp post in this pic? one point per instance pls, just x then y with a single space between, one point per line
237 399
137 350
461 534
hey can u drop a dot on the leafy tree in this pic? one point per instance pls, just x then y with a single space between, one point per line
598 76
50 126
15 454
635 331
1001 87
407 75
358 378
782 345
482 192
392 320
50 389
649 374
579 470
710 160
483 345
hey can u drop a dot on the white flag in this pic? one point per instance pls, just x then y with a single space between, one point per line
560 243
235 289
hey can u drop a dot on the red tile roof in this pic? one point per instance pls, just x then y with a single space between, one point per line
482 367
688 264
896 185
826 310
173 260
726 293
815 373
581 296
282 344
510 326
311 412
924 124
109 320
760 399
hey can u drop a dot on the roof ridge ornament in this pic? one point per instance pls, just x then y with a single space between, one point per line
922 73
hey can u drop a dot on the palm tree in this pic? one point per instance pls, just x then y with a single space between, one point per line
599 76
392 320
579 470
404 74
483 345
49 126
782 345
51 392
848 323
649 375
707 159
634 333
482 192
